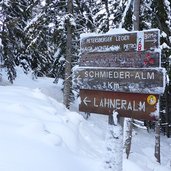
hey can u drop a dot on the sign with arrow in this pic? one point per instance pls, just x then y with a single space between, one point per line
137 106
131 41
121 79
121 72
86 101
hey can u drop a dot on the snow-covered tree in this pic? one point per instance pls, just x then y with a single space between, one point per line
109 14
33 32
154 14
14 17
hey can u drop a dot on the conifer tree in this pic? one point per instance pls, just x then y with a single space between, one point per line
109 14
13 21
155 14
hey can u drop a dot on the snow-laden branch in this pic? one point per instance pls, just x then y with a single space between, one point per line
125 12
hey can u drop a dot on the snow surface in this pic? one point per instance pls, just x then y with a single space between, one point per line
37 133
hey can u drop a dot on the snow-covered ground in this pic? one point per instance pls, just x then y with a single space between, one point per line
37 133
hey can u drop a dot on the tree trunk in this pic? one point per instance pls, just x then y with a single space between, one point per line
136 18
68 79
108 15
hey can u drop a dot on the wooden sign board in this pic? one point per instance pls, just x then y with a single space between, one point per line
120 80
137 106
131 41
140 59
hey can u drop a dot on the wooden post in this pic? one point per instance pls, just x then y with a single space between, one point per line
168 106
157 141
136 19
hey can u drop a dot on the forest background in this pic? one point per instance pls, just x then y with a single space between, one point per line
33 33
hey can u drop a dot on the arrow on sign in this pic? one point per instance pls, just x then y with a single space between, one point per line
154 40
86 101
79 78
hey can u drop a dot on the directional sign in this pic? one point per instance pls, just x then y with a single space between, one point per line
121 80
140 59
151 39
131 41
137 106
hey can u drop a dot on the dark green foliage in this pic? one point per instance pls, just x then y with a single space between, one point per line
128 23
155 14
161 20
12 37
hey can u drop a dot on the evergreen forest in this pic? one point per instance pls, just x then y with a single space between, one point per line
33 33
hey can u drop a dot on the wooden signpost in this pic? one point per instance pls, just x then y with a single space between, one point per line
138 106
132 41
120 79
140 59
120 72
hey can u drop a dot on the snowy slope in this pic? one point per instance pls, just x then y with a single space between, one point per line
37 133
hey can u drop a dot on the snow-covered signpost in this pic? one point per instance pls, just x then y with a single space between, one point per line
121 79
121 73
132 105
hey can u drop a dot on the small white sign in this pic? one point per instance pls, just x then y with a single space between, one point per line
140 41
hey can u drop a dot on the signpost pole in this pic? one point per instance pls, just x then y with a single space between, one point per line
157 141
157 138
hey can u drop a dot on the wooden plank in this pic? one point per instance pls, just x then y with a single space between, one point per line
120 80
131 41
121 59
132 105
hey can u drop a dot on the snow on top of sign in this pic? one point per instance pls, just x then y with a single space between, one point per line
90 67
157 50
111 31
